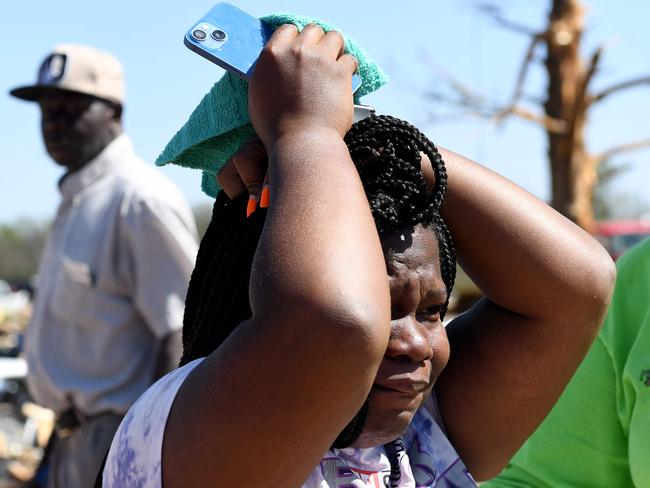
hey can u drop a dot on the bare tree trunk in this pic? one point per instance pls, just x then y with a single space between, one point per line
574 170
572 176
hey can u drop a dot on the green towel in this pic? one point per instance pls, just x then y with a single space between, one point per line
219 125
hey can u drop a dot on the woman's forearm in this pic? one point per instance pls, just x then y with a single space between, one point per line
547 284
320 248
524 255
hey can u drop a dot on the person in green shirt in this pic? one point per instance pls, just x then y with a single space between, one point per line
598 434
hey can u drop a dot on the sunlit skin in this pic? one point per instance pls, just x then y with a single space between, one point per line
418 348
335 343
77 127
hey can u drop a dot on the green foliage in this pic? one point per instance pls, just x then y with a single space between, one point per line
21 244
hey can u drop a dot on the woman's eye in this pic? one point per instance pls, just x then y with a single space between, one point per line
431 314
395 314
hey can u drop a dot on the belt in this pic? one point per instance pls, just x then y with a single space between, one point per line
71 419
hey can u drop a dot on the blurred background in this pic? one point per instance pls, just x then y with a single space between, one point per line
554 94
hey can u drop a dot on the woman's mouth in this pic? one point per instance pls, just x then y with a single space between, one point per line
404 385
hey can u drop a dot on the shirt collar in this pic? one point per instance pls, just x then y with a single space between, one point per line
73 183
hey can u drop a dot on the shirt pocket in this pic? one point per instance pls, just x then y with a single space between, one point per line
72 298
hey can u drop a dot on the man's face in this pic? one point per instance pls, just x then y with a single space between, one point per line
76 127
418 348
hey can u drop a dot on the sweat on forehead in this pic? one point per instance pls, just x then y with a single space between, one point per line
413 246
413 265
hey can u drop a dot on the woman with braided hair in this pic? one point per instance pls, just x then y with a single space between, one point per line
313 333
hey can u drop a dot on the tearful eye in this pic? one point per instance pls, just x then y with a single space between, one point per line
431 314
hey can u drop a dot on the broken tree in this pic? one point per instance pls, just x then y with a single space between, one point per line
566 105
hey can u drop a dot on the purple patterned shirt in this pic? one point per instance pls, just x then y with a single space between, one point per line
134 459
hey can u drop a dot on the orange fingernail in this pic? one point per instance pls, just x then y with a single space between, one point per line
266 197
252 205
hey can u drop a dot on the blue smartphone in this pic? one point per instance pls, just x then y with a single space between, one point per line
233 39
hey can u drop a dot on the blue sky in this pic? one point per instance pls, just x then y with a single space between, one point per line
415 42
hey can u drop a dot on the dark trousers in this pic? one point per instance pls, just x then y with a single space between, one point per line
77 454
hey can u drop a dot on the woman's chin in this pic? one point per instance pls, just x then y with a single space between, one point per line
388 418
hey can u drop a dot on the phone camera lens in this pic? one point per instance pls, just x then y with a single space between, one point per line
218 35
199 35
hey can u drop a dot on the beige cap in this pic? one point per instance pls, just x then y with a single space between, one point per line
77 68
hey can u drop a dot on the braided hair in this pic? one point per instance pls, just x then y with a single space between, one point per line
386 152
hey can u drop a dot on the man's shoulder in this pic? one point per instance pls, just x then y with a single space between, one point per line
141 183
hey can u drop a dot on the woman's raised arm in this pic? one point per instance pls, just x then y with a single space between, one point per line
547 285
266 405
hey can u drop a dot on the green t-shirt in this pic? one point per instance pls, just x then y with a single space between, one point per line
598 434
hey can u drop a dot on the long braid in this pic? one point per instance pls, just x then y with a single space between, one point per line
386 152
217 297
447 255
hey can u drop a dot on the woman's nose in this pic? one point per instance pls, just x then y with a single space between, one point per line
409 339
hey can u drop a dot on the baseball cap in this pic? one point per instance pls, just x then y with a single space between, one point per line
77 68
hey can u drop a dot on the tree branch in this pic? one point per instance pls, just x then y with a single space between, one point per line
475 104
582 98
521 79
523 70
495 12
451 117
630 146
643 80
549 123
466 97
593 67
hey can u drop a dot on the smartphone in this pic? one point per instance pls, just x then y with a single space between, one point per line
233 39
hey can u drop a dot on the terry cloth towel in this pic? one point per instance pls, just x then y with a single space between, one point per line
219 125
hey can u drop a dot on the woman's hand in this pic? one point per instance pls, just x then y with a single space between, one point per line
246 170
317 290
302 81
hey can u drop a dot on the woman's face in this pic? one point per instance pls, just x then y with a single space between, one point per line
418 349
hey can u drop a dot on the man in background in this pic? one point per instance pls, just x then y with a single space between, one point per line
114 272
